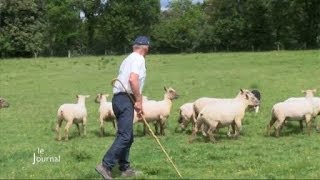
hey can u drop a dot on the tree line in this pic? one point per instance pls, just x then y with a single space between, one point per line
93 27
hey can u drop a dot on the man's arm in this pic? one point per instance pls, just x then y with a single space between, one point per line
134 84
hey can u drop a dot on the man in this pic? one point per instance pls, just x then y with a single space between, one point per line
132 74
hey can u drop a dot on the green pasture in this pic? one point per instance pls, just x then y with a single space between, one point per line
35 88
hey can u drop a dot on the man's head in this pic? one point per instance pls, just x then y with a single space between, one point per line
141 45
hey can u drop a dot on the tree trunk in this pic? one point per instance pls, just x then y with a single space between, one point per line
69 54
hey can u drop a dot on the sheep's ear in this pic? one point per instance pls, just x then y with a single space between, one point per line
303 91
107 95
247 97
77 96
165 88
241 90
314 90
87 96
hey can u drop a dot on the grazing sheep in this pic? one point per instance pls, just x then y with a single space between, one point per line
105 112
218 114
294 110
257 94
185 115
72 113
3 103
158 111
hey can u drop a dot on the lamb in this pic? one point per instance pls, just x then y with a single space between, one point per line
158 111
218 114
72 113
3 103
185 115
293 110
105 112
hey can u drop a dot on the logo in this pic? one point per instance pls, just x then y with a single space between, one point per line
40 157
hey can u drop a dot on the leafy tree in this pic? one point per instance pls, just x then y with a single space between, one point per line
63 27
123 20
22 27
181 28
92 10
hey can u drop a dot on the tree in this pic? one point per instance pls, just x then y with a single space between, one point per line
22 27
226 18
92 10
63 27
123 20
181 28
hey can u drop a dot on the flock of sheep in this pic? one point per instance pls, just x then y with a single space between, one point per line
205 114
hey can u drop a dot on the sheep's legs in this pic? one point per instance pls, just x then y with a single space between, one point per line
231 130
301 125
204 129
195 130
84 124
156 127
309 123
162 128
278 126
102 128
212 127
272 121
237 128
58 126
66 130
78 127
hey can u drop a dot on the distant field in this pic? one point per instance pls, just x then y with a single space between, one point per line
35 88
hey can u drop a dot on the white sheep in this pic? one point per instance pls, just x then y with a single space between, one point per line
224 113
293 110
315 100
185 115
72 113
158 111
106 113
200 103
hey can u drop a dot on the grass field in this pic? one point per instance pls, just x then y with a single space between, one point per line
35 88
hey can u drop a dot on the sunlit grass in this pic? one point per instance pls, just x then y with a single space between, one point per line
36 87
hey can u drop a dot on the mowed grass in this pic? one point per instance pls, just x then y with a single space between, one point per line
35 88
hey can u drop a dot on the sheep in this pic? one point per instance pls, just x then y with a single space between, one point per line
105 112
293 110
158 111
200 103
72 113
218 114
257 94
316 103
3 103
185 115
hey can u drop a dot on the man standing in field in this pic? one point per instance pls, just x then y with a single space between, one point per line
132 74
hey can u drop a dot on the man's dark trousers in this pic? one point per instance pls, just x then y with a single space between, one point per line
123 109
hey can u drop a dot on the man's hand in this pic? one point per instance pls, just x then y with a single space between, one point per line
138 108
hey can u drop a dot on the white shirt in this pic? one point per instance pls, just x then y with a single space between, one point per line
134 63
